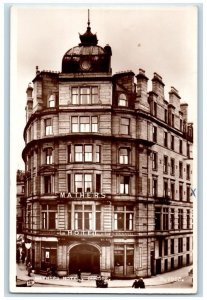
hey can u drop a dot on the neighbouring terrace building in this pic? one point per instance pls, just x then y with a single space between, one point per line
108 166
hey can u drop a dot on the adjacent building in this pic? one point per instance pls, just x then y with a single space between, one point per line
108 169
20 211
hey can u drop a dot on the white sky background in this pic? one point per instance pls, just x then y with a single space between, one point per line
160 39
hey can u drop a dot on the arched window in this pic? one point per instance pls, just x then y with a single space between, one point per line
122 100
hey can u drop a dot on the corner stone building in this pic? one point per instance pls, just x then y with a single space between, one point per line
108 169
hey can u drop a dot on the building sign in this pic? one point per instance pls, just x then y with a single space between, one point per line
81 232
81 195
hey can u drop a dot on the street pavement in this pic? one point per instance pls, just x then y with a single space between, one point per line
161 279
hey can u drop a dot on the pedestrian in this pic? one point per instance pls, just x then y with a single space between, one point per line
141 283
17 256
23 256
29 268
79 275
135 284
138 284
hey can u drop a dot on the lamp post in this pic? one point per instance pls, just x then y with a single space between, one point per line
28 246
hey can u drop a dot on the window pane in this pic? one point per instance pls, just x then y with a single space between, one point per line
123 156
52 101
75 127
98 153
52 220
122 100
78 221
79 153
88 152
88 183
78 183
84 124
94 124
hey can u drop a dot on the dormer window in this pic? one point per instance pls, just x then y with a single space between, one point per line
123 100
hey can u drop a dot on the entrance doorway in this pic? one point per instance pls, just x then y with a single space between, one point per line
86 258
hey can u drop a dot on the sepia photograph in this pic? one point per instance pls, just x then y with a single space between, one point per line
103 131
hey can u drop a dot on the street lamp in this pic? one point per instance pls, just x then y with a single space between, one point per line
28 246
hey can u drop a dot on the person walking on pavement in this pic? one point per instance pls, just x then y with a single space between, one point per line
135 284
79 275
138 284
141 283
29 268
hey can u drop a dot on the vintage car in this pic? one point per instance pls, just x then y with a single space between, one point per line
24 283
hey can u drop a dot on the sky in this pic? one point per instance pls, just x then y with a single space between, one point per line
158 38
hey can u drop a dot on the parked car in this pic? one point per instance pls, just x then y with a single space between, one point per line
24 283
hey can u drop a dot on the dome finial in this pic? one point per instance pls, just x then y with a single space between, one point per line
88 17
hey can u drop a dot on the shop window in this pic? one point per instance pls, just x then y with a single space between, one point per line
119 255
48 256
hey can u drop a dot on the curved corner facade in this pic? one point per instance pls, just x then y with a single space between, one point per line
108 167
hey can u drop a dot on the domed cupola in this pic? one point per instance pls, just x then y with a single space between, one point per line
87 56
